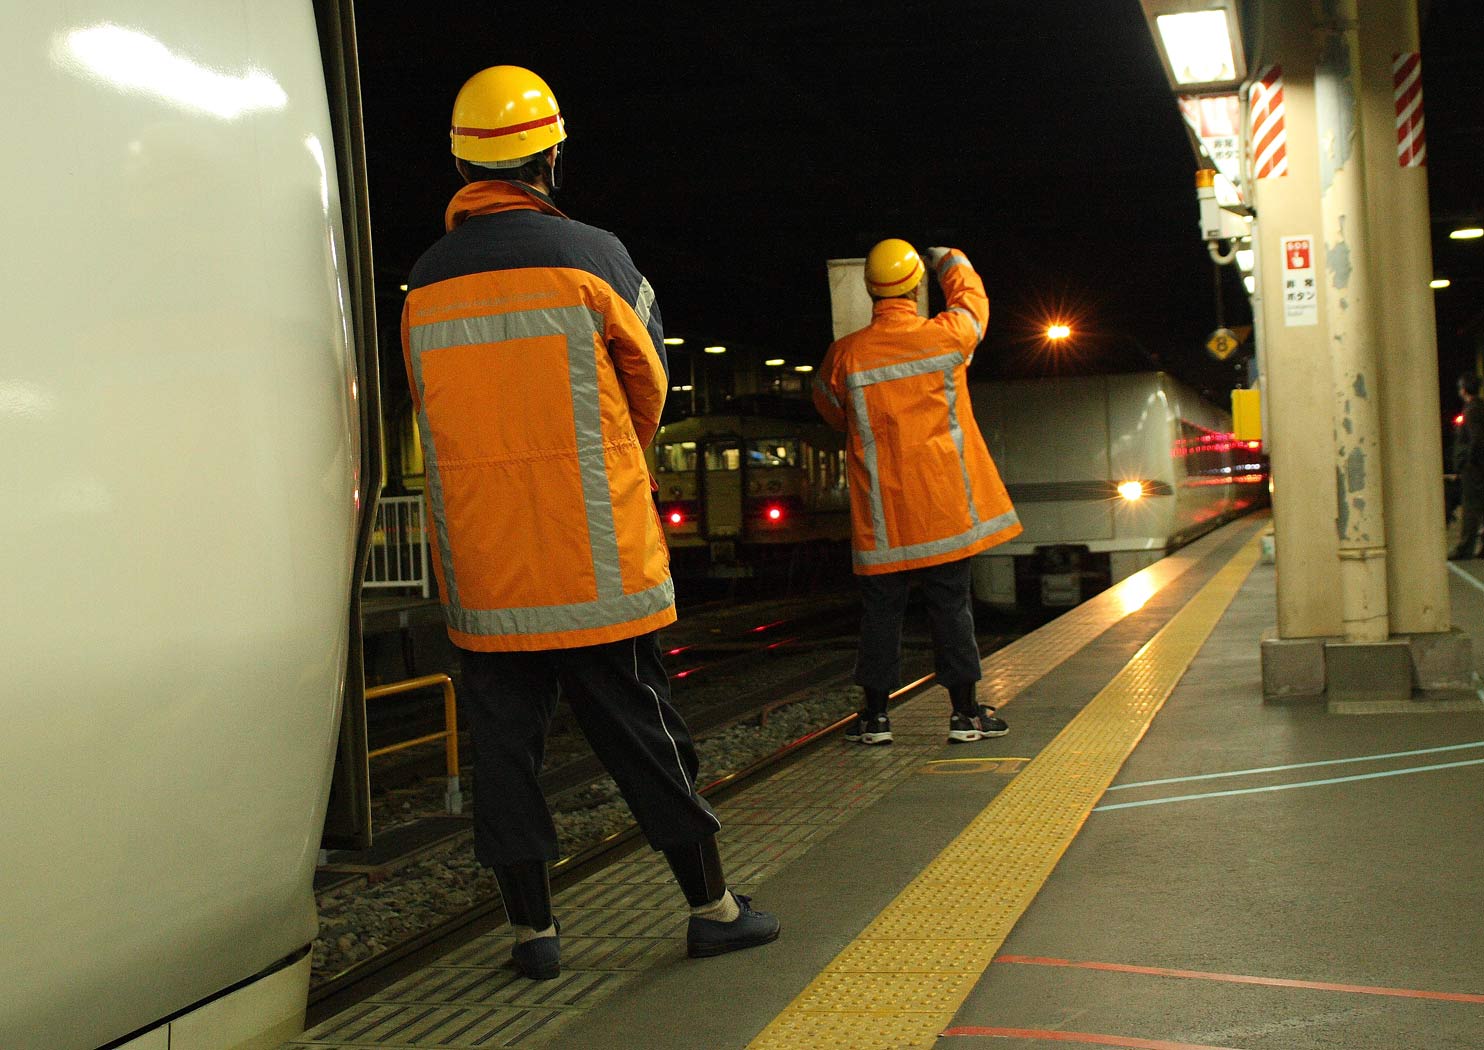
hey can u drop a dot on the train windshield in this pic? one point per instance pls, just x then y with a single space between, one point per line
675 457
773 452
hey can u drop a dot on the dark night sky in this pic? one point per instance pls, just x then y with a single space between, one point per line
735 148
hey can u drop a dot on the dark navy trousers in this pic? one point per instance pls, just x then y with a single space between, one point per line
620 697
945 591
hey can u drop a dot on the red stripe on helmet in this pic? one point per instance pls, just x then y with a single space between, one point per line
901 280
494 133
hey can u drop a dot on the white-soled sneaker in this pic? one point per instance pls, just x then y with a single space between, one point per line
965 730
868 729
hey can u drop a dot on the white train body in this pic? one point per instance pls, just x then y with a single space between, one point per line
1108 474
178 413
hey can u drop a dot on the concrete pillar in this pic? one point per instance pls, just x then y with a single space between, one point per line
1401 244
1353 341
1296 372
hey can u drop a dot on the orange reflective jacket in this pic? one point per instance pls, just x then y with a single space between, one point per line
534 352
923 489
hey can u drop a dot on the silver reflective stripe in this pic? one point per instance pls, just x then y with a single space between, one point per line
978 329
578 325
950 261
868 453
950 392
921 366
645 302
823 388
548 619
934 547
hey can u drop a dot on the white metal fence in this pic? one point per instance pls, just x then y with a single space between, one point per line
399 546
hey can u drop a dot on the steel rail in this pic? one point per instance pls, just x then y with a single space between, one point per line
369 975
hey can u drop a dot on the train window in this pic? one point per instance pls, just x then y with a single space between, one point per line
723 457
773 452
675 457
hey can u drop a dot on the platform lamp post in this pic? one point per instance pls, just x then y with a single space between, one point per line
1356 622
1293 351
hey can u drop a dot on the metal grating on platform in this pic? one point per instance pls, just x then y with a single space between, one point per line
878 992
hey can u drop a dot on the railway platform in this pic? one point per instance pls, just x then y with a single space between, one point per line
1152 859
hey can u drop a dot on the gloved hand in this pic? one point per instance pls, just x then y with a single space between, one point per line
935 255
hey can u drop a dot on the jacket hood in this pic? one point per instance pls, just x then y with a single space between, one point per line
489 196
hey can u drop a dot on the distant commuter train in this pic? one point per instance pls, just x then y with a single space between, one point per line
1108 474
739 490
185 502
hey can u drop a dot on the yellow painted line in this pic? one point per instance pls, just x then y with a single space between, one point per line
899 983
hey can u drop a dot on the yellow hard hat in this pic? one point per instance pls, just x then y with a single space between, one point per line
503 115
892 268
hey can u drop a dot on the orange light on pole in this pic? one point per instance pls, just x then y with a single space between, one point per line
1058 332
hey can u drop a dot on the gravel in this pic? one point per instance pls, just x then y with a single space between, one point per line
361 920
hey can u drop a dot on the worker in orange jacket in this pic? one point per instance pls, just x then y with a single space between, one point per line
535 355
924 494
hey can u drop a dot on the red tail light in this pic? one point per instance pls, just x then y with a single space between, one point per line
1458 420
775 513
676 518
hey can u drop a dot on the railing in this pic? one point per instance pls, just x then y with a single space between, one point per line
453 797
399 546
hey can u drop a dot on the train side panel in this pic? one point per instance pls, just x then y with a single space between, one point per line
176 399
1107 473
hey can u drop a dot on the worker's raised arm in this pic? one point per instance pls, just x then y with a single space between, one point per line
967 314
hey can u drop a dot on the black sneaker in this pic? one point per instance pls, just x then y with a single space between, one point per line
540 958
707 937
965 730
869 729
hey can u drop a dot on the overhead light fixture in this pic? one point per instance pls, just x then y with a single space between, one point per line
1199 44
1468 233
1245 259
403 287
773 362
1059 331
1131 490
1250 283
674 340
716 349
803 368
1439 282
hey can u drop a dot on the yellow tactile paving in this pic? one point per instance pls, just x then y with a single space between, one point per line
902 980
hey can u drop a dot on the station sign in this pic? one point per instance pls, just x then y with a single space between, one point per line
1217 122
1300 292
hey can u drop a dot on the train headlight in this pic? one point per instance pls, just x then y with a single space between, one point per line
1131 490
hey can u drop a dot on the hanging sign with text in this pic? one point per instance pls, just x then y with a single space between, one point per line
1300 294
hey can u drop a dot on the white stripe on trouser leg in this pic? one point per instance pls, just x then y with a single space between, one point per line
660 710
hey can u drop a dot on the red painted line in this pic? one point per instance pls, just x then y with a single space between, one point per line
1236 978
494 133
1081 1037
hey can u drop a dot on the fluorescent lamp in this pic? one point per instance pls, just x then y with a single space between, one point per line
803 368
716 349
1250 283
1199 43
1244 259
1439 282
674 340
773 362
1468 233
1199 46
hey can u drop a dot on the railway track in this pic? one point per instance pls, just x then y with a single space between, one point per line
353 983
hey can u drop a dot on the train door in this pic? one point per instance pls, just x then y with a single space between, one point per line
720 483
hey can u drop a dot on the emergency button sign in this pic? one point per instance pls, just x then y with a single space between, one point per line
1300 295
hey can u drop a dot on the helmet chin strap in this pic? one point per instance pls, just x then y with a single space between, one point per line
555 169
